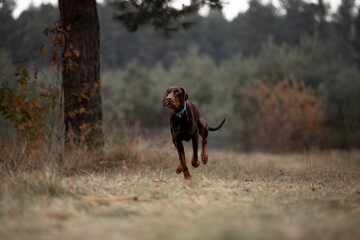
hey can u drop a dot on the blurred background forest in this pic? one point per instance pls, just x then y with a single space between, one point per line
286 78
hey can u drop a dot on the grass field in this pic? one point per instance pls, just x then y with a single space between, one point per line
134 193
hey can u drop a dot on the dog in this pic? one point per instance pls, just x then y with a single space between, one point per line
186 124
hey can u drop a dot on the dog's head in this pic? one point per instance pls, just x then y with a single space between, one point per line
174 98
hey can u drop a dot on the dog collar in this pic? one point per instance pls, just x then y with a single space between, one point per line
179 113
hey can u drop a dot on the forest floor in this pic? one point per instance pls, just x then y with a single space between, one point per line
134 193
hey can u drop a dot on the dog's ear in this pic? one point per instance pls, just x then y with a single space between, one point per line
185 95
163 101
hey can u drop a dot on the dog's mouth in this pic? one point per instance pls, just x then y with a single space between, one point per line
170 105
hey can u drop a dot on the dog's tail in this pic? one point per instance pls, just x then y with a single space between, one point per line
218 127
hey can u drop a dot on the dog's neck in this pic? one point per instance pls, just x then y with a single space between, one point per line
179 113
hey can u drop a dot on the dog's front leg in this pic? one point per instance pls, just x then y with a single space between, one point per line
180 148
195 142
179 169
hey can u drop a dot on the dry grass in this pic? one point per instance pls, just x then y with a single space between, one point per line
135 194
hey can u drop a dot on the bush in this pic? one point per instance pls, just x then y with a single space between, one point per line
281 117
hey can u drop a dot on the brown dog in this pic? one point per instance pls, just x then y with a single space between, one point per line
185 124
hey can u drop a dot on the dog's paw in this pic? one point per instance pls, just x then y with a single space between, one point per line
204 158
179 169
195 164
187 175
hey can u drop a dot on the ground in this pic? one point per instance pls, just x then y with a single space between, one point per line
138 195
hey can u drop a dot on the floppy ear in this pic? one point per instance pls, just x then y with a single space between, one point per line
163 101
185 95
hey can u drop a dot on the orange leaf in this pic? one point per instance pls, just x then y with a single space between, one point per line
21 127
54 52
76 53
84 89
36 72
46 31
57 23
42 50
85 126
82 110
33 102
97 85
67 54
62 41
71 114
32 153
54 39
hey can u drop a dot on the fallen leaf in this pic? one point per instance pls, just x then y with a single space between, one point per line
32 153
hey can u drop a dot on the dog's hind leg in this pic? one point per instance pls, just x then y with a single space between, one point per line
204 154
203 131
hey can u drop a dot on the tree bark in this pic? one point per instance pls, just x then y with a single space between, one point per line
82 98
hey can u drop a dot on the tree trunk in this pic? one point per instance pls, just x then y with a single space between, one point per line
82 98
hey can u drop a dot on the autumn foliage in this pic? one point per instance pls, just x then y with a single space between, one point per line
62 59
27 104
25 111
281 117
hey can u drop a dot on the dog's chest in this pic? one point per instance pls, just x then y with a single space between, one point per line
182 130
184 136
